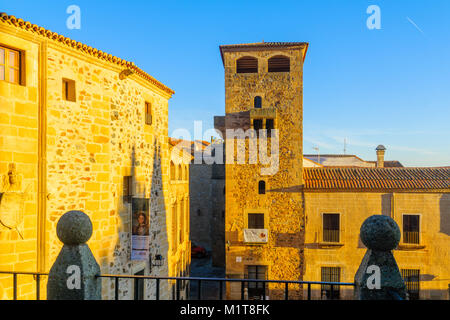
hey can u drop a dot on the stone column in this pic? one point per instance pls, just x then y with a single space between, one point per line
73 276
378 276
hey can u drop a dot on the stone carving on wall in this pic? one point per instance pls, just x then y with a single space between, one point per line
12 200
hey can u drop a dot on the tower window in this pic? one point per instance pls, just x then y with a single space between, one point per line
257 102
269 126
262 187
247 65
148 113
257 125
256 220
256 289
279 64
69 93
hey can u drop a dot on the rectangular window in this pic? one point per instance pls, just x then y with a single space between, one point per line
139 286
127 189
10 65
411 278
411 228
257 125
69 92
256 290
148 113
269 126
256 221
331 227
331 274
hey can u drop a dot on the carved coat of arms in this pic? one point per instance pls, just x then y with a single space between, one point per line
12 200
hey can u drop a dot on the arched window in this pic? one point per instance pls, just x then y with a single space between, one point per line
262 187
179 172
172 171
186 173
247 65
279 64
257 102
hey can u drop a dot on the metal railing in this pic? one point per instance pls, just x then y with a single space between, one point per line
411 237
179 280
330 235
36 275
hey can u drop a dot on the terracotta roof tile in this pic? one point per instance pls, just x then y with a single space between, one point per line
28 26
377 178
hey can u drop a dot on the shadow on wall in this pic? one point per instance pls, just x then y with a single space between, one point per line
444 205
386 202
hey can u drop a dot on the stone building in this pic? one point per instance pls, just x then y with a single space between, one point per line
307 215
206 198
81 129
338 200
180 245
264 231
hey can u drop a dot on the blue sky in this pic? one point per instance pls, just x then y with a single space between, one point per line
389 86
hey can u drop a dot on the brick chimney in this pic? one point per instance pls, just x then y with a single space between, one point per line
380 156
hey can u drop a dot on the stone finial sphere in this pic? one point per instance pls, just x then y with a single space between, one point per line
380 233
74 227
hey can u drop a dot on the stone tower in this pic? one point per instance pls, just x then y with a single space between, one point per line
264 220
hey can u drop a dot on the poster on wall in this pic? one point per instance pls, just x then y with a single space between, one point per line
140 218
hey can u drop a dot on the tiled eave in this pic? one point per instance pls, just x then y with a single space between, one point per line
40 31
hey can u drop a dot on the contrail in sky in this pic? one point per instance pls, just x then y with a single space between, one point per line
415 25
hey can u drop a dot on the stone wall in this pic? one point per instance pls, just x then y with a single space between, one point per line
281 92
87 147
19 153
431 256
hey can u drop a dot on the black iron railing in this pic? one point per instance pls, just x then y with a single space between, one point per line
179 280
36 275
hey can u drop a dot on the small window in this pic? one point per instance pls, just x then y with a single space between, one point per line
127 189
262 187
257 125
257 102
410 229
411 278
172 171
180 172
331 227
10 65
148 113
279 64
69 92
256 220
269 126
330 274
247 65
256 290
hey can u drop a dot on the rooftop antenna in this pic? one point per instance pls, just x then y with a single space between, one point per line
318 154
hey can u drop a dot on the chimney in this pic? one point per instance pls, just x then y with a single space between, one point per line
380 156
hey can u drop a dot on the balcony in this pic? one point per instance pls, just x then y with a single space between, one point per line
256 235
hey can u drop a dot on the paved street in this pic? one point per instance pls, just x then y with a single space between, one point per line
203 268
